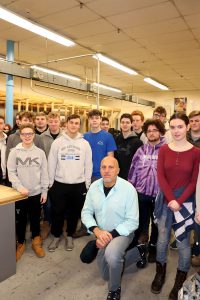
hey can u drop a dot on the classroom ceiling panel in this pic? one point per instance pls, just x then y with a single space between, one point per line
148 15
158 38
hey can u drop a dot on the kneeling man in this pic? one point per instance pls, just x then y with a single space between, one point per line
111 213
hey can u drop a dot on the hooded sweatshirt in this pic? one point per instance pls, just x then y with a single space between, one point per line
27 168
143 170
126 148
14 140
70 160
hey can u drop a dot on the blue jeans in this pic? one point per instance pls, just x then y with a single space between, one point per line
114 257
164 231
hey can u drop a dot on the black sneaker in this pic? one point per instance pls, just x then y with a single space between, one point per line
114 295
143 254
152 253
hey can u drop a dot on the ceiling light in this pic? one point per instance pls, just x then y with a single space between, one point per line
114 63
106 87
155 83
15 19
52 72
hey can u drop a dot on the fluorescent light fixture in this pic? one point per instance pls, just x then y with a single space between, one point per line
106 87
17 20
155 83
114 63
52 72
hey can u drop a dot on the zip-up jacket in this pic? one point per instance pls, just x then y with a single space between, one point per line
70 160
126 148
27 168
143 170
46 140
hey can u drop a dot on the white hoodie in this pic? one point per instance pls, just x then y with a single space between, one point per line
70 160
27 168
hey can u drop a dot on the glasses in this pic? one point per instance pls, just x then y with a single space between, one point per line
157 116
152 131
27 134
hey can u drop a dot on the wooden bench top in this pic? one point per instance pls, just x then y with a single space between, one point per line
9 195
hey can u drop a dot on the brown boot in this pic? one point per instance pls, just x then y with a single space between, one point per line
180 278
19 250
159 279
196 261
45 230
37 246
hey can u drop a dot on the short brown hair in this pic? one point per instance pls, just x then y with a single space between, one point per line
155 122
73 116
105 119
94 112
161 110
27 114
194 113
53 115
27 126
138 113
126 116
41 114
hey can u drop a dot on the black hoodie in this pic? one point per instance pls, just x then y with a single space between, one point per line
126 148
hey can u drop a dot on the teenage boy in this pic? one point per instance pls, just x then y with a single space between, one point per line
161 114
14 139
143 176
40 123
27 171
193 135
127 144
70 170
102 143
105 124
3 138
138 120
45 141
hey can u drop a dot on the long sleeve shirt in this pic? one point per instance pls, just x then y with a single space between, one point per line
198 193
178 169
116 211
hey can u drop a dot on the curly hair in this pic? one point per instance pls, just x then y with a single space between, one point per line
155 122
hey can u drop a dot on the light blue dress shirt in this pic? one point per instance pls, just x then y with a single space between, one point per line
118 210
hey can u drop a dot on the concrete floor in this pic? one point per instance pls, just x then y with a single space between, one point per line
61 275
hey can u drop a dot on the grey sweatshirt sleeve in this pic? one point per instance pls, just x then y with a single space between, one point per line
88 165
44 175
12 171
52 163
198 193
9 145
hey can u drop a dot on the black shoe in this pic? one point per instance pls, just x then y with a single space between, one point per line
143 254
173 245
82 231
152 253
195 251
114 295
180 278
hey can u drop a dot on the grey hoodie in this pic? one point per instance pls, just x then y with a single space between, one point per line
27 168
70 160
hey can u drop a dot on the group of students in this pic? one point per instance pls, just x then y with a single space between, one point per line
56 167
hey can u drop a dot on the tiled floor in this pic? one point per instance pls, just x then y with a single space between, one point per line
61 275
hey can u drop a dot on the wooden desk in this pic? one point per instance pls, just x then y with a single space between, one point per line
8 196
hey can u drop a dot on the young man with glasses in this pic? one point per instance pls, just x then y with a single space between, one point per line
160 113
143 176
27 171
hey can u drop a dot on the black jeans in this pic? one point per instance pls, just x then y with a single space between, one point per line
70 198
146 208
29 207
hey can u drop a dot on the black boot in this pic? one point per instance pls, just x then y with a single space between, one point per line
180 278
159 279
143 254
152 253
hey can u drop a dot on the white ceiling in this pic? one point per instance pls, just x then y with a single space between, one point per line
158 38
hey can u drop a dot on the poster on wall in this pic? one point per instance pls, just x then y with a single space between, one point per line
180 104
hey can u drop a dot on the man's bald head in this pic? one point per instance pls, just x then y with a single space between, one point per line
109 170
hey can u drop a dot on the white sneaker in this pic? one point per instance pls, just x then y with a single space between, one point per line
54 244
69 244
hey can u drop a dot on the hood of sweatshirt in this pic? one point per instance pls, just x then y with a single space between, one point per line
130 136
157 146
20 147
77 137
